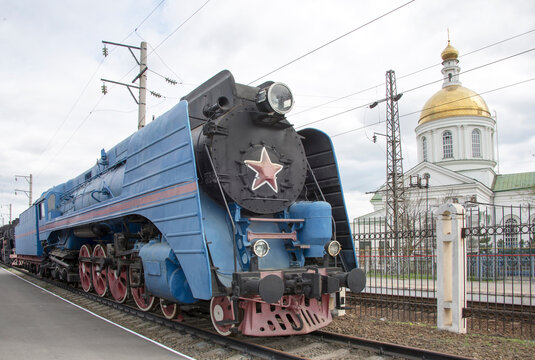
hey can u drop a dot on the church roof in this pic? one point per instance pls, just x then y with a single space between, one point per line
449 52
453 100
516 181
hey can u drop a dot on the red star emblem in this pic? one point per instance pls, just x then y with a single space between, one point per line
266 171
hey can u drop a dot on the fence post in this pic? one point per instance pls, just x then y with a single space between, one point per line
451 260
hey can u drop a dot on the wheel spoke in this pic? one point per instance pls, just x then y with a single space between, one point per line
144 302
84 268
221 310
169 310
117 284
99 274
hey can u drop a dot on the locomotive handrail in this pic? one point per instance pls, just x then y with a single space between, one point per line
252 236
276 220
234 231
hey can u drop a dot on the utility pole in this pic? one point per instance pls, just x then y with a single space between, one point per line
29 179
142 76
142 85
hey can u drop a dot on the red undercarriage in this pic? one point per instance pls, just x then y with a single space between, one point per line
292 315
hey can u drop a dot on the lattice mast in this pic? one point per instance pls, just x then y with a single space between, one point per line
395 193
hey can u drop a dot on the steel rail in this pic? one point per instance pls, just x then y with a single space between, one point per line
473 307
249 347
229 342
387 348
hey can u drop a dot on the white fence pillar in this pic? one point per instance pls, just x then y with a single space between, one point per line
451 260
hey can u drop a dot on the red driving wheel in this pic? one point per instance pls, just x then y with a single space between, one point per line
84 268
99 272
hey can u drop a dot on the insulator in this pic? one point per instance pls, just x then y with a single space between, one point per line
171 81
155 94
105 51
104 89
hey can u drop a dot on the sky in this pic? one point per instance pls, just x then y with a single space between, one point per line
54 120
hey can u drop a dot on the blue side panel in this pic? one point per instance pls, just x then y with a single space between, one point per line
160 154
163 275
322 159
220 238
161 157
26 234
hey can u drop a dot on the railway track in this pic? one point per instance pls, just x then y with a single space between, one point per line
194 337
473 308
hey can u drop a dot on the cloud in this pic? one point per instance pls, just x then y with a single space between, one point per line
54 48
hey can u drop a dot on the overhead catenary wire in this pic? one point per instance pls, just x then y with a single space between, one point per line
419 87
332 41
410 74
449 102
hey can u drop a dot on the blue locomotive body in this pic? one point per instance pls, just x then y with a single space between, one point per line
158 216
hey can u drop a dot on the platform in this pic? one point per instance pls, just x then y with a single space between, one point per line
35 324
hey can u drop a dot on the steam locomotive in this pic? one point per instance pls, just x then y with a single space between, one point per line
219 203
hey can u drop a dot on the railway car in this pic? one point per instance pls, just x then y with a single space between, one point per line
219 203
7 240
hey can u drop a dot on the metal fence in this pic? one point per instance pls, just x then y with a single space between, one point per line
499 269
400 270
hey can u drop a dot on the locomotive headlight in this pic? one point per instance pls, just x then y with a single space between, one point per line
260 248
276 98
333 248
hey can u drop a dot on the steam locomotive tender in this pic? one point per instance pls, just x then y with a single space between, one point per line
217 203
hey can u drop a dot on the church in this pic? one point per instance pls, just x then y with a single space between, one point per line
456 137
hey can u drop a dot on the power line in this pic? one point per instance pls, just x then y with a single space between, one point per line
146 17
72 107
468 97
89 82
167 37
421 86
416 112
163 62
83 92
182 24
143 21
100 99
72 135
412 73
332 41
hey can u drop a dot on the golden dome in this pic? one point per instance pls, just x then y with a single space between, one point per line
453 100
449 53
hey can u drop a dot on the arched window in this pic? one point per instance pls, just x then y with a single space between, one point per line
424 148
447 145
511 233
476 143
